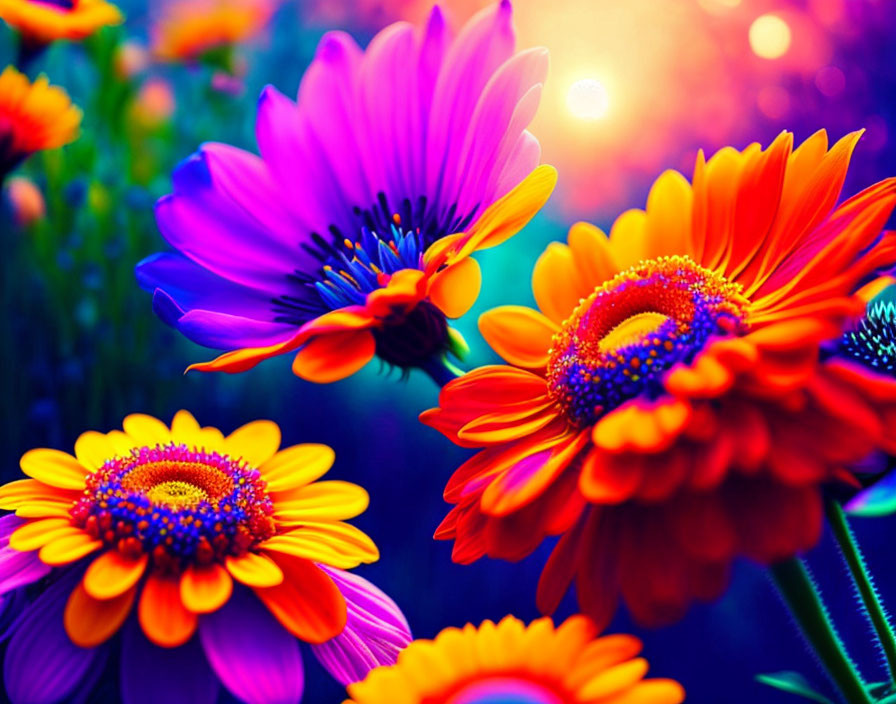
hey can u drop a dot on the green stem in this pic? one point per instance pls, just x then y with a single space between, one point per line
805 604
862 578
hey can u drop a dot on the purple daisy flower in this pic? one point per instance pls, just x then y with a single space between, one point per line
350 235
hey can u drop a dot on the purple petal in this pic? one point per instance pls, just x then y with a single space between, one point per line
191 286
8 525
485 42
18 569
227 215
505 109
219 331
42 665
150 674
376 630
310 177
253 655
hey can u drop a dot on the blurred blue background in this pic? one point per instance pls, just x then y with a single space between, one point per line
80 347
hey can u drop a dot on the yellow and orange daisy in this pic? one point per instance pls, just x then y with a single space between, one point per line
666 410
33 116
188 29
192 531
511 661
44 21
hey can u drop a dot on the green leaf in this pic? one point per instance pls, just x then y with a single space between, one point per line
794 683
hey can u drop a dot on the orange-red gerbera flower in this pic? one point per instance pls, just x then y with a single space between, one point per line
512 662
188 29
194 532
665 411
43 21
33 116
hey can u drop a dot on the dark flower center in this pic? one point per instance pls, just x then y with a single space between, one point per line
621 340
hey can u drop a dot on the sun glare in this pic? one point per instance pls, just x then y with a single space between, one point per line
587 99
769 36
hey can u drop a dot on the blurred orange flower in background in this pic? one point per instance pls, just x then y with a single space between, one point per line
188 29
44 22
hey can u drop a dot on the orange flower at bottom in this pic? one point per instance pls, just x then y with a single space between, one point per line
536 664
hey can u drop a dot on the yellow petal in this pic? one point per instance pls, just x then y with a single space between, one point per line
146 430
255 442
333 500
296 466
184 429
93 449
55 468
254 570
68 548
205 589
36 534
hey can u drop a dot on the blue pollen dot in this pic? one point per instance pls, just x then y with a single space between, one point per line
873 342
350 276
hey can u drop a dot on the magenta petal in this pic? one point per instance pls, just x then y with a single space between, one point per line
153 675
375 632
42 666
18 569
253 655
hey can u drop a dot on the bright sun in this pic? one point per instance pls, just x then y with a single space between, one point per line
587 99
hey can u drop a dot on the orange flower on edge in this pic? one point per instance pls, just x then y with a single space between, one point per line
41 22
33 116
511 661
666 410
240 511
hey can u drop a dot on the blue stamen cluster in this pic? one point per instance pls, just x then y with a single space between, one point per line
352 274
873 342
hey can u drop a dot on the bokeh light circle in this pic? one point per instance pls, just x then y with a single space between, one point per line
770 36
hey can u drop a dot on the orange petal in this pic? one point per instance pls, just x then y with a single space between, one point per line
522 336
455 289
404 290
162 615
609 479
628 237
205 589
308 603
655 691
55 468
614 680
254 570
334 356
668 225
242 360
112 574
255 442
556 284
297 466
507 216
592 254
90 622
68 548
